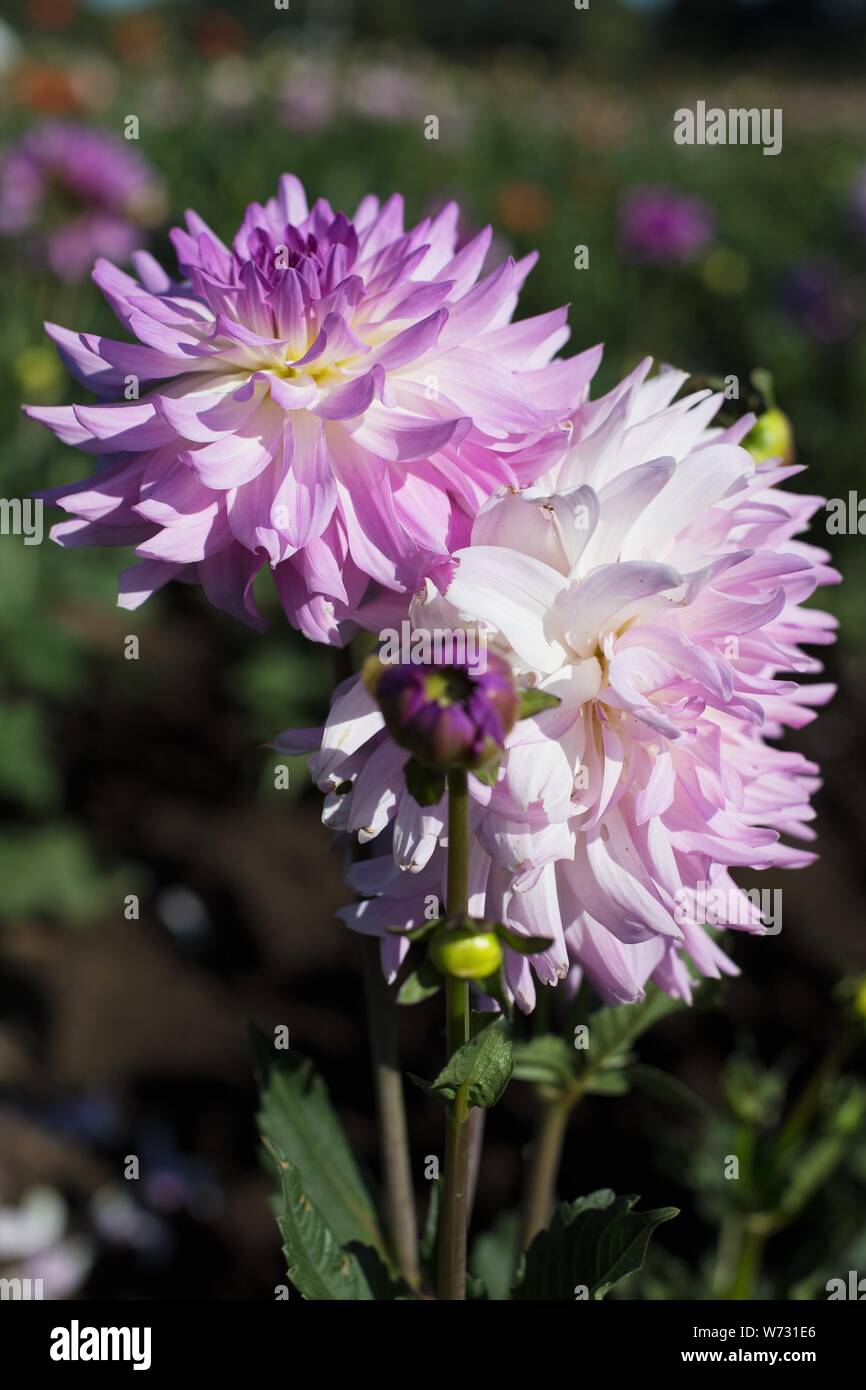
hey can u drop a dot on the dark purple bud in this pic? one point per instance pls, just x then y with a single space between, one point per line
447 716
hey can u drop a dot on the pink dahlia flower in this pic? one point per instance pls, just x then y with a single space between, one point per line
654 582
333 397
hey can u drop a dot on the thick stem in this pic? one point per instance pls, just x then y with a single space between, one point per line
400 1214
458 843
544 1167
455 1203
455 1192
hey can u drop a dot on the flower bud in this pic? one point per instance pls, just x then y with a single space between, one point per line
771 437
466 953
447 716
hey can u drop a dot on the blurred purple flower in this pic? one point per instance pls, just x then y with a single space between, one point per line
385 92
309 98
657 224
78 194
820 301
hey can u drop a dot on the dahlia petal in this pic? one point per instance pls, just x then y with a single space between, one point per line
237 458
603 595
141 581
305 501
516 594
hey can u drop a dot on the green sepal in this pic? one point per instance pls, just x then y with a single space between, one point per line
422 984
417 933
534 701
489 773
524 945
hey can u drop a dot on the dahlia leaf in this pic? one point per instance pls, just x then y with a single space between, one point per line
591 1245
611 1082
546 1061
611 1031
481 1068
296 1117
316 1263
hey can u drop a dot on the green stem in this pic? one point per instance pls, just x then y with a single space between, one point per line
457 904
544 1166
399 1194
455 1191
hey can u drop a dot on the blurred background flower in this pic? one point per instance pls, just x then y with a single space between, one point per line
73 194
821 300
657 224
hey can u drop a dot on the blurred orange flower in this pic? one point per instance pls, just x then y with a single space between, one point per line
44 88
522 206
220 33
138 38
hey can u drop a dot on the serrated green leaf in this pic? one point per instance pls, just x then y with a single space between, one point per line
316 1263
592 1243
425 784
481 1068
534 701
297 1118
611 1030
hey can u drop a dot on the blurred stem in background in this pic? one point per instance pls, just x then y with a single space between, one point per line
544 1166
391 1115
393 1130
455 1193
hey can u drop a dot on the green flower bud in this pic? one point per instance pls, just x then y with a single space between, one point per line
465 953
771 437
